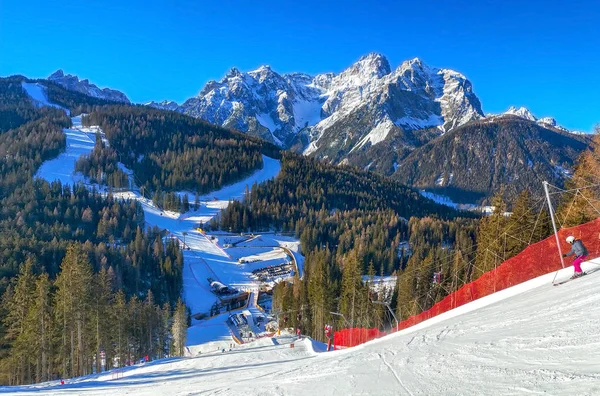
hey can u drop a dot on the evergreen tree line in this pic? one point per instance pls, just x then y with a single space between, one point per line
28 135
340 280
15 107
101 166
305 184
501 237
169 151
351 224
81 323
39 220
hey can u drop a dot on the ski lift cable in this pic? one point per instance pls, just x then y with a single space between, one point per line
570 207
562 191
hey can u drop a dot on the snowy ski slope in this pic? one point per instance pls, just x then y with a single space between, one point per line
530 339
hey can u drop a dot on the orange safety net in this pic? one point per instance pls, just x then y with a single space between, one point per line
536 260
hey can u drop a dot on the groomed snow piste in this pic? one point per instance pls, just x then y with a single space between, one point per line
530 339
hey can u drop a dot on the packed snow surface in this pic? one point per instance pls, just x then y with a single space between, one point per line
530 339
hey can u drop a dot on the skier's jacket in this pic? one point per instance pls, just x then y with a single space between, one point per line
578 249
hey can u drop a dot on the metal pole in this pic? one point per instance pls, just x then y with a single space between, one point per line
391 311
562 261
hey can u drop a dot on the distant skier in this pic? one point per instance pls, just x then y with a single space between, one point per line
580 252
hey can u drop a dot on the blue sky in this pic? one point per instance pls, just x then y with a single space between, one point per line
544 55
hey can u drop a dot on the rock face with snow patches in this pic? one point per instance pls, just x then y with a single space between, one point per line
524 113
164 105
73 83
330 115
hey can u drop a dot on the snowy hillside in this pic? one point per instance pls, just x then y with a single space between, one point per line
278 107
39 96
531 338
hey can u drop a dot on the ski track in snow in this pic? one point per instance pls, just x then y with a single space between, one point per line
532 338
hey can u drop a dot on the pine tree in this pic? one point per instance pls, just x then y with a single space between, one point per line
120 331
163 331
521 225
151 325
102 314
18 303
318 291
350 297
39 329
490 238
179 329
73 303
185 205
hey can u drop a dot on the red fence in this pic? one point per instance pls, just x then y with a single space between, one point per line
536 260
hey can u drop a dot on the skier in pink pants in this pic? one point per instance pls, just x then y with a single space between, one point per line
580 252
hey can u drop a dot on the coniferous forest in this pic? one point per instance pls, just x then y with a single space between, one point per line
80 276
172 152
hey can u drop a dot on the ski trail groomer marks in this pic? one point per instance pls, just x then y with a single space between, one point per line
389 366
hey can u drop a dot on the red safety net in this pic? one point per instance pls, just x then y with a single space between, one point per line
536 260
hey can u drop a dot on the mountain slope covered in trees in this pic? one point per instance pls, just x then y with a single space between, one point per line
476 159
171 152
74 265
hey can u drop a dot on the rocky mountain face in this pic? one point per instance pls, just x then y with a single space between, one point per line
164 105
473 161
331 115
73 83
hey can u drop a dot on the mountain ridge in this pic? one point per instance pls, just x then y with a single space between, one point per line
73 83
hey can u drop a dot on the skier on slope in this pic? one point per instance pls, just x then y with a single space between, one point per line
580 252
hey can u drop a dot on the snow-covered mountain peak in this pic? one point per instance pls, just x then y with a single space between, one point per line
72 83
277 106
522 112
233 72
415 63
164 105
372 65
547 121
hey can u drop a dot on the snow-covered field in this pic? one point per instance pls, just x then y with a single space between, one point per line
530 339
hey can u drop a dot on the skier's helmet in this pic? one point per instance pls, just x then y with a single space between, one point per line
570 239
